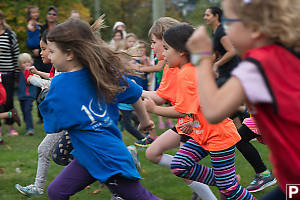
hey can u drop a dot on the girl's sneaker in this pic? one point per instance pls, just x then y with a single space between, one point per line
161 125
29 191
261 182
13 132
144 143
169 123
132 150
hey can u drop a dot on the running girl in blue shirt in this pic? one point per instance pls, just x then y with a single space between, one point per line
83 100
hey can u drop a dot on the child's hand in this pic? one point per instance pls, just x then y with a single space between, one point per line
149 104
186 127
200 41
33 70
36 75
45 86
146 127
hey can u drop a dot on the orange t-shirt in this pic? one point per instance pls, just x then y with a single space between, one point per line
212 137
167 88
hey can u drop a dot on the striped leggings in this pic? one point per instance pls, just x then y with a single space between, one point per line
185 165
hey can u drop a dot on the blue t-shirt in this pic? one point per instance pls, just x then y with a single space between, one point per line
72 104
33 40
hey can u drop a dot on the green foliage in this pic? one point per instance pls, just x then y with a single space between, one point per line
16 12
136 14
196 17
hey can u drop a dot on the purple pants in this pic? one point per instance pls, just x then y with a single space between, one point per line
75 178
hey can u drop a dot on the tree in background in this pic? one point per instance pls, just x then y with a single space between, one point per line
15 12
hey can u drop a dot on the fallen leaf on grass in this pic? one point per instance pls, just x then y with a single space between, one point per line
8 147
96 191
87 187
1 171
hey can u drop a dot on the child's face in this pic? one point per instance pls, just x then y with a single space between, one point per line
44 52
238 33
26 64
59 59
157 46
118 37
130 41
173 57
34 13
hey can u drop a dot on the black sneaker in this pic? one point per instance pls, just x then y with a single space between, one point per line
144 143
261 182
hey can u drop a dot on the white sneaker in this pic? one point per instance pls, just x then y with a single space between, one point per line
132 150
30 190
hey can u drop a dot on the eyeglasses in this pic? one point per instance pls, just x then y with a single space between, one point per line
50 13
227 21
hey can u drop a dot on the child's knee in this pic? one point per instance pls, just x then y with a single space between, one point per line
52 191
180 170
152 155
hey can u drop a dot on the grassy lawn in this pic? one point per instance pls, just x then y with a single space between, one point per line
21 152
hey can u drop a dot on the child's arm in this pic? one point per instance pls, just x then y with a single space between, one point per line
145 123
162 111
37 81
216 104
44 75
156 68
153 95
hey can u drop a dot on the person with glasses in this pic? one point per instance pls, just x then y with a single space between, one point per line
51 19
266 36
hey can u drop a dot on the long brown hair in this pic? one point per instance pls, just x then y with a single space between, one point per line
105 66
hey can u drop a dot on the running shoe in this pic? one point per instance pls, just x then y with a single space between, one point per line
116 197
161 125
30 132
144 142
169 123
13 132
29 191
261 182
132 150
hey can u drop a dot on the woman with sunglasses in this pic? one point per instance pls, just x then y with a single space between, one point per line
51 19
225 58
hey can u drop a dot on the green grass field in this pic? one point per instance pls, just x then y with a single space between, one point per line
21 152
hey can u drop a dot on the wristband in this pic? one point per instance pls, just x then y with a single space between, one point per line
197 57
9 114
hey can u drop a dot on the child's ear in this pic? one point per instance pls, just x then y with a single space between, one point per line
256 32
70 55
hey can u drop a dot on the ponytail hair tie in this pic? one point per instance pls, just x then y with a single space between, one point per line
30 6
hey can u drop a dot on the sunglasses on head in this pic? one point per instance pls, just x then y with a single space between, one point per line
50 13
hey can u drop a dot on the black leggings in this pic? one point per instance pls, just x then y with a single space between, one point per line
248 150
127 117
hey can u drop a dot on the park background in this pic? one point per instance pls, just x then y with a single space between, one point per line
18 155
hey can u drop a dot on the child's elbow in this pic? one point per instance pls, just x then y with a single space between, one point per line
212 117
